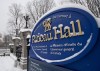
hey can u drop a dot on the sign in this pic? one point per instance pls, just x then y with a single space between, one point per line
63 36
35 65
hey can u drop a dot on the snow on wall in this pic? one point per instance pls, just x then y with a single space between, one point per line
16 38
25 30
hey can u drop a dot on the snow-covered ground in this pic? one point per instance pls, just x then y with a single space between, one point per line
7 64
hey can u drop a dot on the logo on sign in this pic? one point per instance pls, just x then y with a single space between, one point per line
63 36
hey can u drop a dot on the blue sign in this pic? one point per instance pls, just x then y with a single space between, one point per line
36 65
63 36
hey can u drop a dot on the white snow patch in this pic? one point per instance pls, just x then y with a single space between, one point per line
60 25
16 38
28 44
49 19
66 27
7 64
58 31
98 22
54 27
11 44
41 34
25 30
28 36
77 33
13 57
62 2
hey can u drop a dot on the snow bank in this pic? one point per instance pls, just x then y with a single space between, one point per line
7 64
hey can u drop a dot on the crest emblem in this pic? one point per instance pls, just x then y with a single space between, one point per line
47 24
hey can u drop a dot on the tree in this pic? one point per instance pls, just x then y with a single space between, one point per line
1 41
37 8
94 6
82 2
16 18
6 40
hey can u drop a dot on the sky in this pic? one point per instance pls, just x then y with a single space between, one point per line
4 12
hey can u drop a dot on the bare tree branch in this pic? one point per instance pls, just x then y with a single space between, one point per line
37 8
16 17
94 6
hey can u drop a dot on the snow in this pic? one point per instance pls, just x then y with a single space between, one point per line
49 19
25 30
28 36
76 33
2 51
16 38
60 25
60 2
66 27
7 64
98 21
28 44
13 57
41 34
58 31
54 27
11 44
